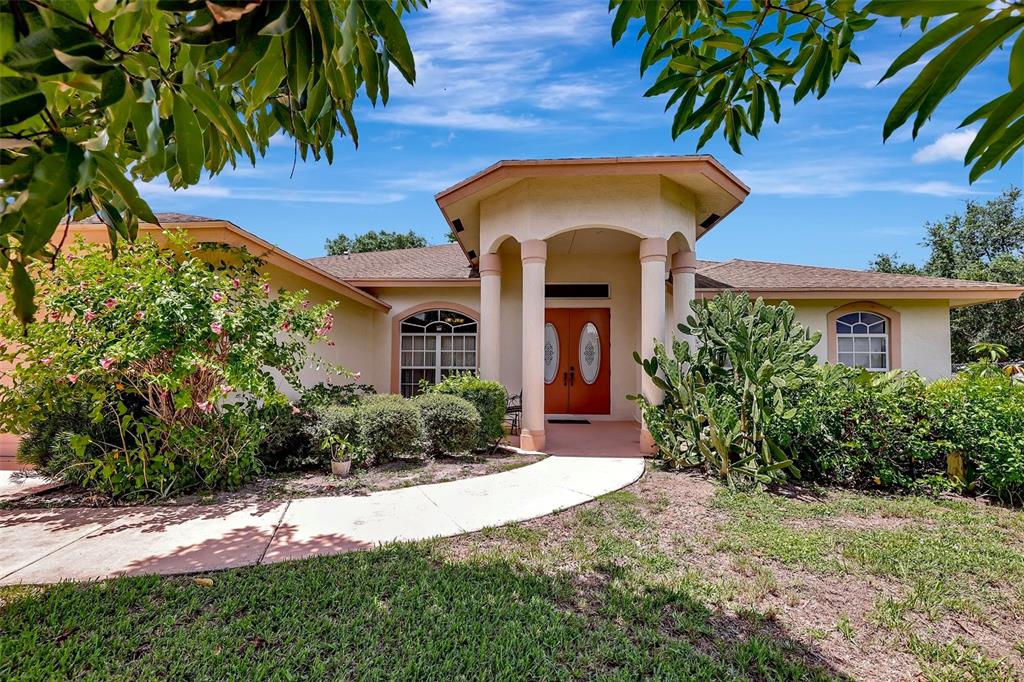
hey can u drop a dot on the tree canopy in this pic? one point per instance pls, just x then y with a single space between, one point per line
984 243
97 95
725 65
374 240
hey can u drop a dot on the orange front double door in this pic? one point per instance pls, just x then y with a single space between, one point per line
577 373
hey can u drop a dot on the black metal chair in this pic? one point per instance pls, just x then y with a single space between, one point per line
513 412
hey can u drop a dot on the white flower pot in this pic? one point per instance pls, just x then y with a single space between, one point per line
341 468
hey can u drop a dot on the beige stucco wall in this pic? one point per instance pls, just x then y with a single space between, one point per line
355 334
402 300
539 208
924 342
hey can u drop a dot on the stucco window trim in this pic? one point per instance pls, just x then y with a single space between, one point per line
891 316
396 334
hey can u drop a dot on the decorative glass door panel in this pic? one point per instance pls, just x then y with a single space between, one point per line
577 376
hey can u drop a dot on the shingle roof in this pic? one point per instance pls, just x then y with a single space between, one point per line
446 261
162 217
762 275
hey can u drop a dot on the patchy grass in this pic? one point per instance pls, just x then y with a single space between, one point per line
672 578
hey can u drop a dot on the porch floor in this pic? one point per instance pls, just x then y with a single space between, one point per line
596 439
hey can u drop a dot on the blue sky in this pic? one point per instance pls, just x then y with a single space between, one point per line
502 79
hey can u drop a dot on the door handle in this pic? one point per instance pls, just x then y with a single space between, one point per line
572 376
565 379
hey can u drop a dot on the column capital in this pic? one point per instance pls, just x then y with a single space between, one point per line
490 264
683 262
653 249
534 251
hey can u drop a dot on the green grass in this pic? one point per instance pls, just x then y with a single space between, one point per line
394 613
949 555
614 590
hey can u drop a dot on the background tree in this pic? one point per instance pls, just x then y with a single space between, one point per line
95 91
374 240
724 64
985 243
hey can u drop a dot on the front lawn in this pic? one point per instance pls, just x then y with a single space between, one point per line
674 578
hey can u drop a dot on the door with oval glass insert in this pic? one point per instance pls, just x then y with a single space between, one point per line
577 372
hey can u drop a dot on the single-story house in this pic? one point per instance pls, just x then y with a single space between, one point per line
562 268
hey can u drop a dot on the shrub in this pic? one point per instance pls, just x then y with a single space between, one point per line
389 426
488 397
981 418
722 402
293 437
155 342
451 425
340 421
865 430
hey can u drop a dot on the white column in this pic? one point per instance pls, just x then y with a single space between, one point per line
490 316
653 254
684 290
534 254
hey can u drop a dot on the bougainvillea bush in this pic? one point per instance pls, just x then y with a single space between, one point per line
167 352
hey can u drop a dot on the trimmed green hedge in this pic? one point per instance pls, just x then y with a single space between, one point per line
450 424
488 397
389 426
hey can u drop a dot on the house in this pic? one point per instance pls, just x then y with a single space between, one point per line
563 267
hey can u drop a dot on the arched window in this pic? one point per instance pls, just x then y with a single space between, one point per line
435 343
863 341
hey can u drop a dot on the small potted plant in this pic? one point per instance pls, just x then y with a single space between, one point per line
341 454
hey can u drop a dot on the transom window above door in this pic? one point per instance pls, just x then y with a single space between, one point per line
863 341
434 344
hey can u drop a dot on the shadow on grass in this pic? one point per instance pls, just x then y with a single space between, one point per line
392 613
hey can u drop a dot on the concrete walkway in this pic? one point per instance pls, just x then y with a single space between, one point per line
50 545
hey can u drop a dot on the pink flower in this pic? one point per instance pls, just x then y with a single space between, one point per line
139 314
305 304
89 316
110 302
226 388
55 316
296 410
216 328
68 257
217 297
205 406
46 361
107 363
357 376
72 378
286 326
266 288
235 283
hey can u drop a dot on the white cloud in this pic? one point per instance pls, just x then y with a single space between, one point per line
156 190
949 147
842 177
500 65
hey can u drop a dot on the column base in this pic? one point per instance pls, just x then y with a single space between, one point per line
531 440
647 444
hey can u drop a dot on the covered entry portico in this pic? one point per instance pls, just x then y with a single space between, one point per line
610 231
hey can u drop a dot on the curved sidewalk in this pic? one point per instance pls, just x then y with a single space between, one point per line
50 545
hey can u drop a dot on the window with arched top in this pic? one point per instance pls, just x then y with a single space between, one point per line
434 344
862 340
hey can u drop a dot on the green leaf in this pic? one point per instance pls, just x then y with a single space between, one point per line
35 52
239 64
285 22
112 89
188 135
368 66
21 100
969 51
922 8
386 22
626 11
1000 150
110 172
932 39
23 291
1010 107
812 71
1016 74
